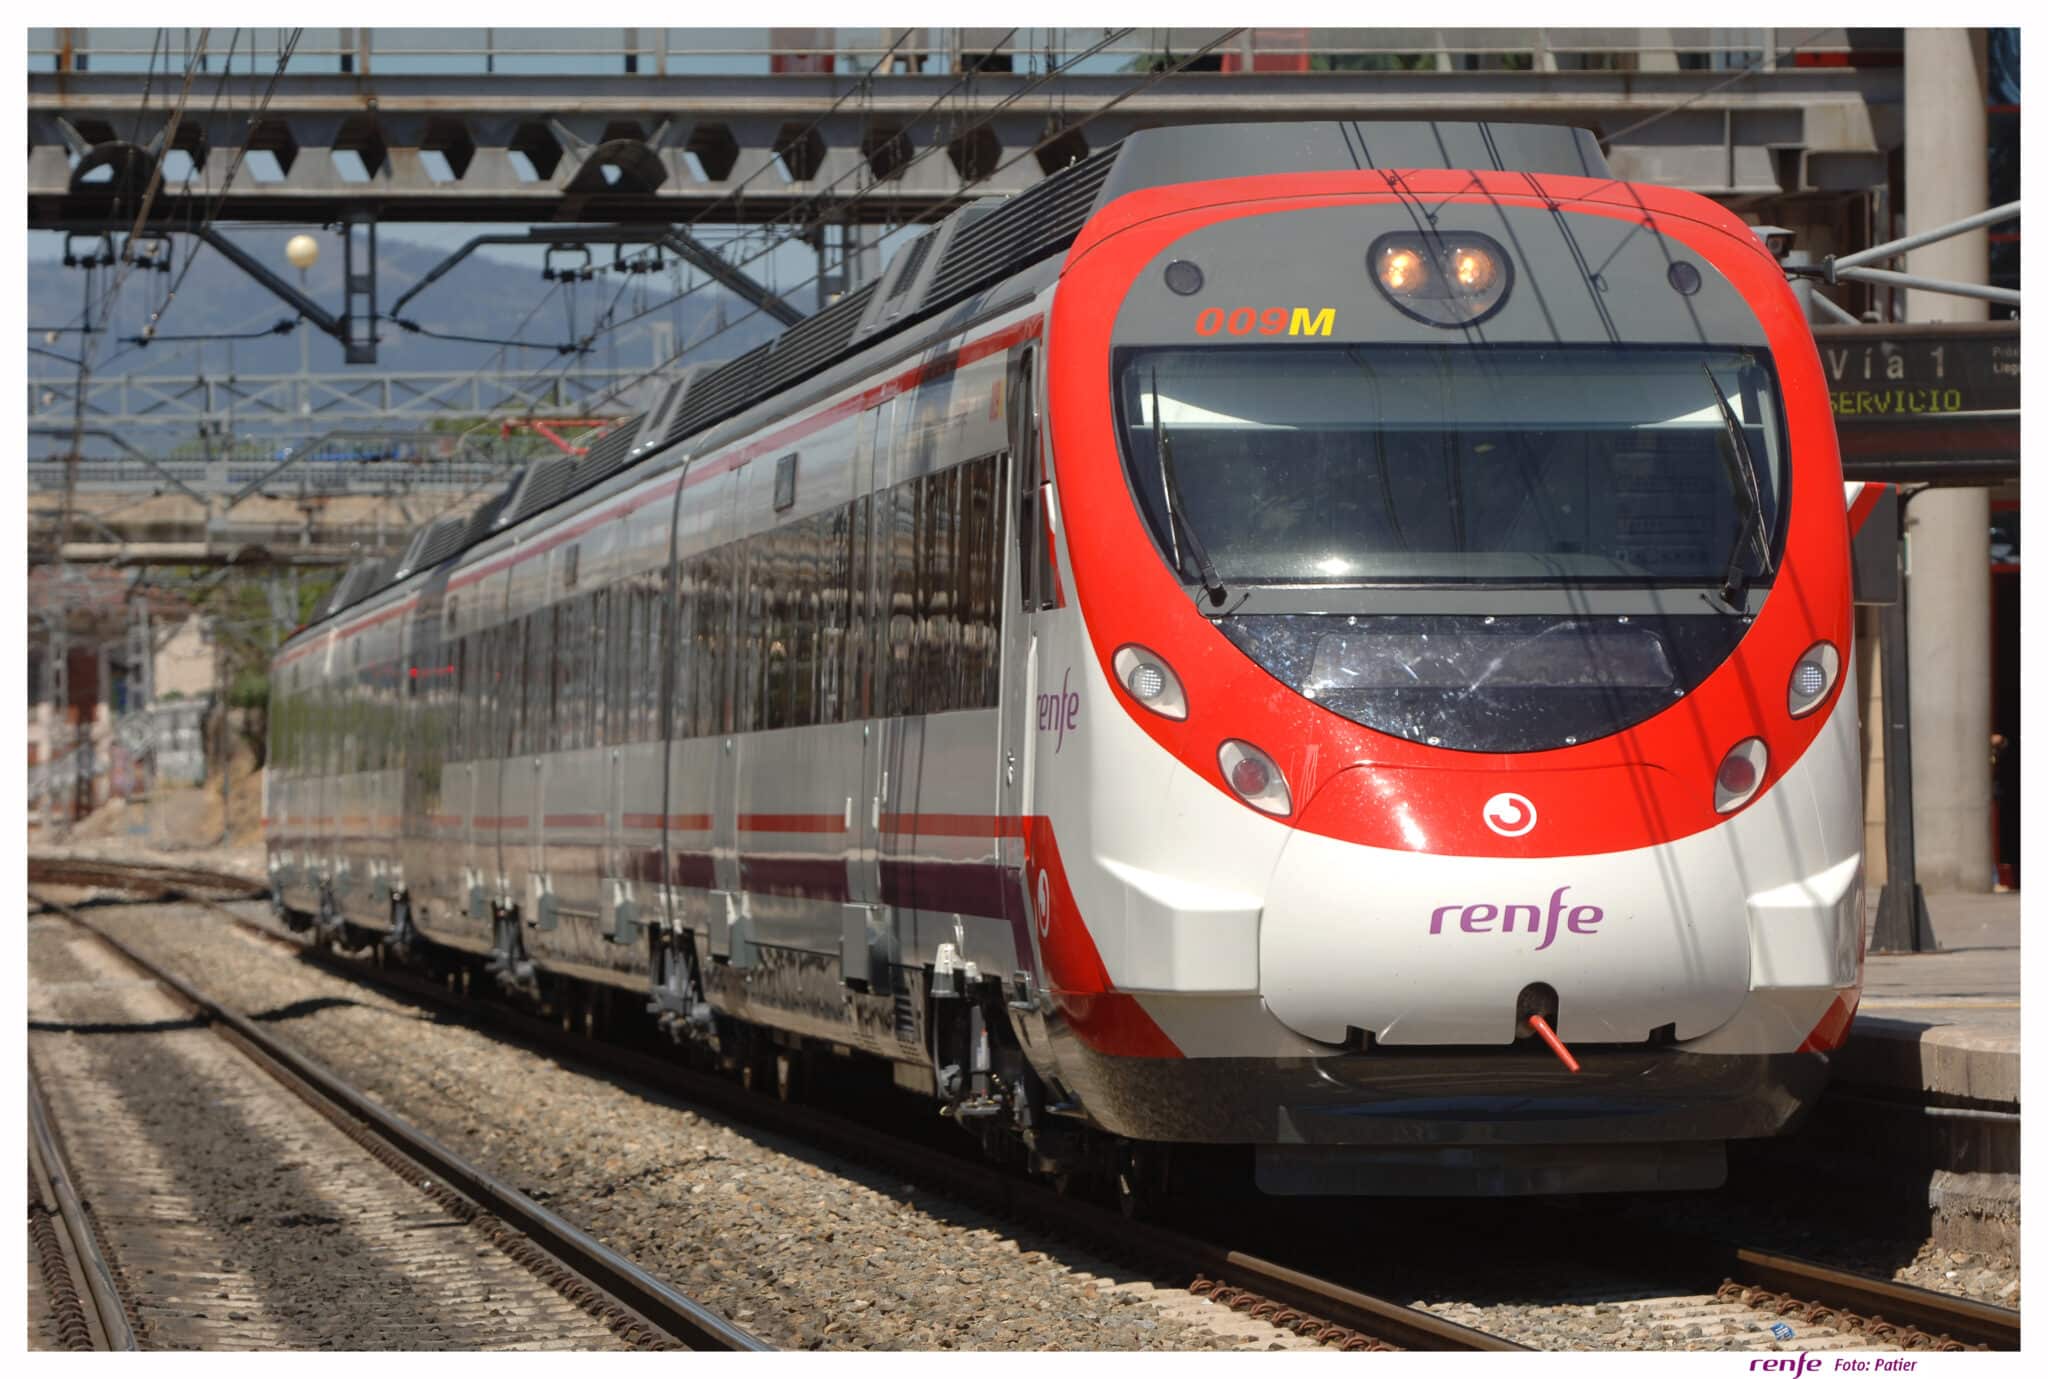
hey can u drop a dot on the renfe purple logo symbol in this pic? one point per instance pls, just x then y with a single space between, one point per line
1060 712
1802 1363
1478 919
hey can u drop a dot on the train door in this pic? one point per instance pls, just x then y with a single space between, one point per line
536 895
869 637
1026 588
507 640
328 803
727 898
864 944
451 823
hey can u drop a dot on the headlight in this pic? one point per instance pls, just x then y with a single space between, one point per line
1454 279
1147 678
1813 675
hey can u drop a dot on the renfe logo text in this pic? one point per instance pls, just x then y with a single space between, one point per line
1532 919
1060 713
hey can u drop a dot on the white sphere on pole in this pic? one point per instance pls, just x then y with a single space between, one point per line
302 250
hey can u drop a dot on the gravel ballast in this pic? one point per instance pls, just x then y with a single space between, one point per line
802 1248
809 1250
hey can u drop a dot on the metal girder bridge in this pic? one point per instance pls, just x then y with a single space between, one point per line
126 402
661 144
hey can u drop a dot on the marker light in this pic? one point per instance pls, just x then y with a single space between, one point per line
1812 677
1472 269
1454 279
1402 269
1148 679
1741 775
1252 774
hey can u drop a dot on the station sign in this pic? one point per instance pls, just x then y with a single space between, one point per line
1935 402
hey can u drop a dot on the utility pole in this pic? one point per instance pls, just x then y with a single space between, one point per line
1948 617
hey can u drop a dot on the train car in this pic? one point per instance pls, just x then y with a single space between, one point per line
1309 645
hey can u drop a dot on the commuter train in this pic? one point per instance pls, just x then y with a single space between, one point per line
1318 646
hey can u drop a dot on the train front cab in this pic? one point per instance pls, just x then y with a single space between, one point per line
1462 589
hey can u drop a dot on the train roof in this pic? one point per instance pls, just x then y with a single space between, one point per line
979 245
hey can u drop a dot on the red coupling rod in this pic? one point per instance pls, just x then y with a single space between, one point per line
1549 1036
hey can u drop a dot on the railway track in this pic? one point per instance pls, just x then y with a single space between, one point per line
1853 1308
79 1285
471 1261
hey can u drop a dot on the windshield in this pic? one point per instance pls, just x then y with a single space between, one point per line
1453 464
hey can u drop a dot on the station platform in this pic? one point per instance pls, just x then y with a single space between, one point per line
1944 1027
1923 1102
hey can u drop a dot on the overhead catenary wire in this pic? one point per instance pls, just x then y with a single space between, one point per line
945 207
736 193
550 375
837 210
163 152
234 167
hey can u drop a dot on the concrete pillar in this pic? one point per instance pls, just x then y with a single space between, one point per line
1949 612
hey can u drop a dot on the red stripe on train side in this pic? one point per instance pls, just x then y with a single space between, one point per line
681 822
952 826
792 823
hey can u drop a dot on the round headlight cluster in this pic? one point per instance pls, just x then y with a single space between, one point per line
1457 278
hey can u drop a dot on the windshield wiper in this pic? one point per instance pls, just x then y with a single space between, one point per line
1180 529
1748 502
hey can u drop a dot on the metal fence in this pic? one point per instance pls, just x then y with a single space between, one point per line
661 52
321 477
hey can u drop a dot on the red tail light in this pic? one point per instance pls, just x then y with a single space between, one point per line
1741 774
1255 777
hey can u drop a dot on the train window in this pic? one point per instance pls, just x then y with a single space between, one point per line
981 581
643 660
717 585
748 643
834 591
562 718
938 593
942 564
857 694
783 578
896 528
540 680
620 690
1516 465
600 649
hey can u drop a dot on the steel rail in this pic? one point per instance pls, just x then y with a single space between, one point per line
1917 1316
661 1305
1340 1315
1870 1303
111 1317
1880 1300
